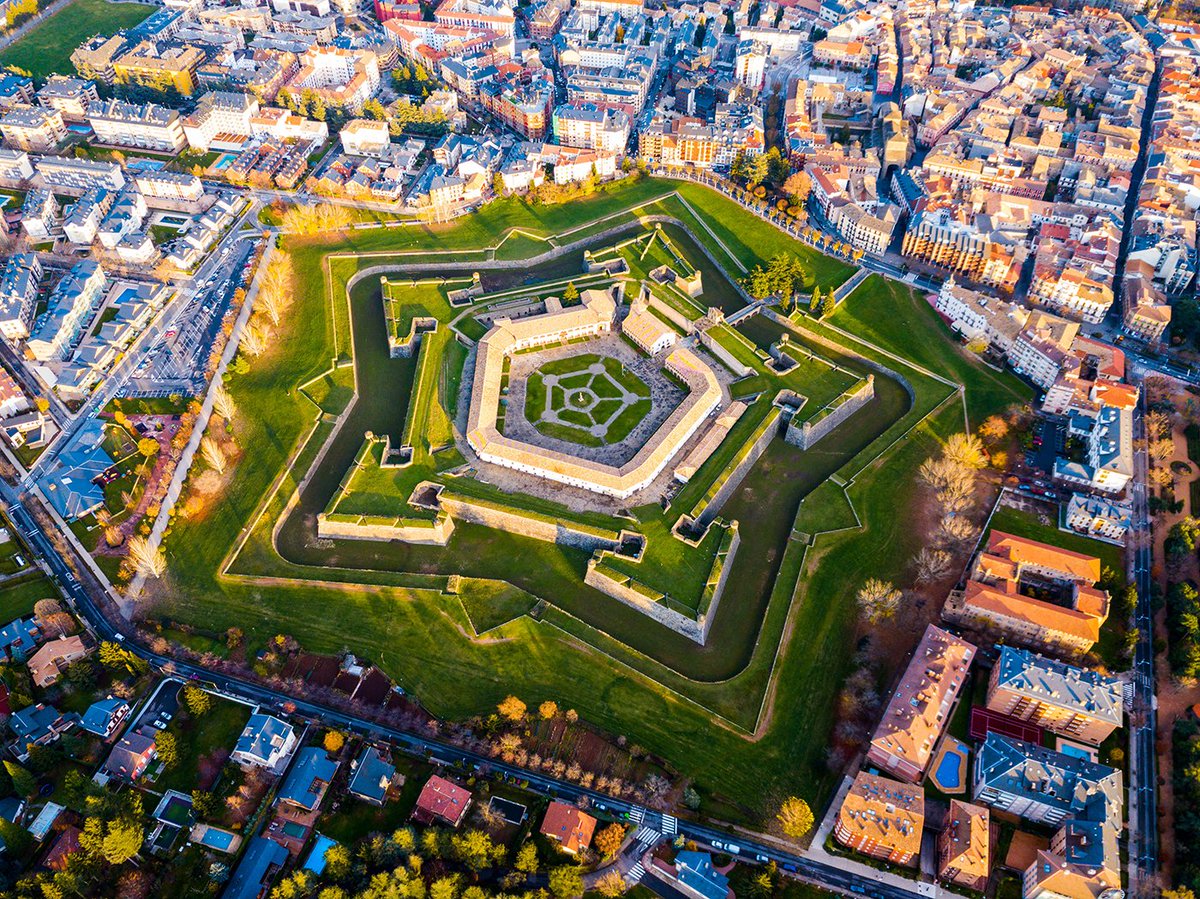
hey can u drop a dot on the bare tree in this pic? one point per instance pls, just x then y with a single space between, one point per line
955 530
1158 424
932 564
1162 477
224 404
878 600
211 450
254 340
956 496
147 560
1161 450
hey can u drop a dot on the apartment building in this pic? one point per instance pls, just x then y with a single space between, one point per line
1073 702
159 65
69 96
39 214
623 8
847 54
1039 784
882 818
15 167
82 220
1033 594
920 707
135 126
19 282
522 101
94 59
591 127
220 121
1097 517
33 129
964 846
72 177
341 78
750 64
71 305
1108 437
479 15
365 137
1043 347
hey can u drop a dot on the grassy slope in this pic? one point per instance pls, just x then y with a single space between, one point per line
47 49
418 637
898 319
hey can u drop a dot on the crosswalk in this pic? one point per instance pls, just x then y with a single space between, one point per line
636 873
645 837
670 826
637 814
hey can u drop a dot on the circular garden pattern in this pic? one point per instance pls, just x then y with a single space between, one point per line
586 399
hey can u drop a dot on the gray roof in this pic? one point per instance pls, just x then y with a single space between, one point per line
1061 685
1050 778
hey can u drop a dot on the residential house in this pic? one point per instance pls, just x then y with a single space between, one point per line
19 637
309 777
694 876
1098 517
260 864
442 800
373 775
105 716
920 707
40 725
131 755
48 663
570 827
1074 702
265 742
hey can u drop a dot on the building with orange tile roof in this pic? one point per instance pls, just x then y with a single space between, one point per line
568 825
964 846
999 598
882 818
919 709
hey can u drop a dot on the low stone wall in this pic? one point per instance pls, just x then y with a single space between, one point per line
349 527
676 318
807 434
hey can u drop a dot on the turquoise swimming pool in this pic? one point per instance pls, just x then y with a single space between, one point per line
949 770
223 161
316 858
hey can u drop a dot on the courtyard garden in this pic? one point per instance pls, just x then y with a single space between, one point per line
747 714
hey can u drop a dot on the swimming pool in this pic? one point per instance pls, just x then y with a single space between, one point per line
949 770
223 161
316 859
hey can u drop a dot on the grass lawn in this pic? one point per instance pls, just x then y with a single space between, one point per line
355 819
47 49
689 705
201 737
897 318
18 596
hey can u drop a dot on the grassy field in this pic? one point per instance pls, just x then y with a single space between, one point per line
17 597
395 612
199 738
47 48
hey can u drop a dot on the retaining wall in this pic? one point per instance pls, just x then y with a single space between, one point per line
808 433
705 516
348 527
726 358
514 522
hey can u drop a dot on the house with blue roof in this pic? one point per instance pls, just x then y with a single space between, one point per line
694 875
372 777
309 778
265 742
40 725
258 867
104 717
19 637
72 486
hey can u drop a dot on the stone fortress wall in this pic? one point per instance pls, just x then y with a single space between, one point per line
805 435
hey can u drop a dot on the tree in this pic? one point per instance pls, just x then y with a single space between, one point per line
147 560
828 304
148 447
955 530
566 881
334 741
121 840
878 600
758 167
223 403
211 450
473 848
199 702
795 817
166 747
548 709
570 293
932 564
1161 450
608 840
24 783
527 859
444 888
205 804
993 429
512 709
966 450
610 885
